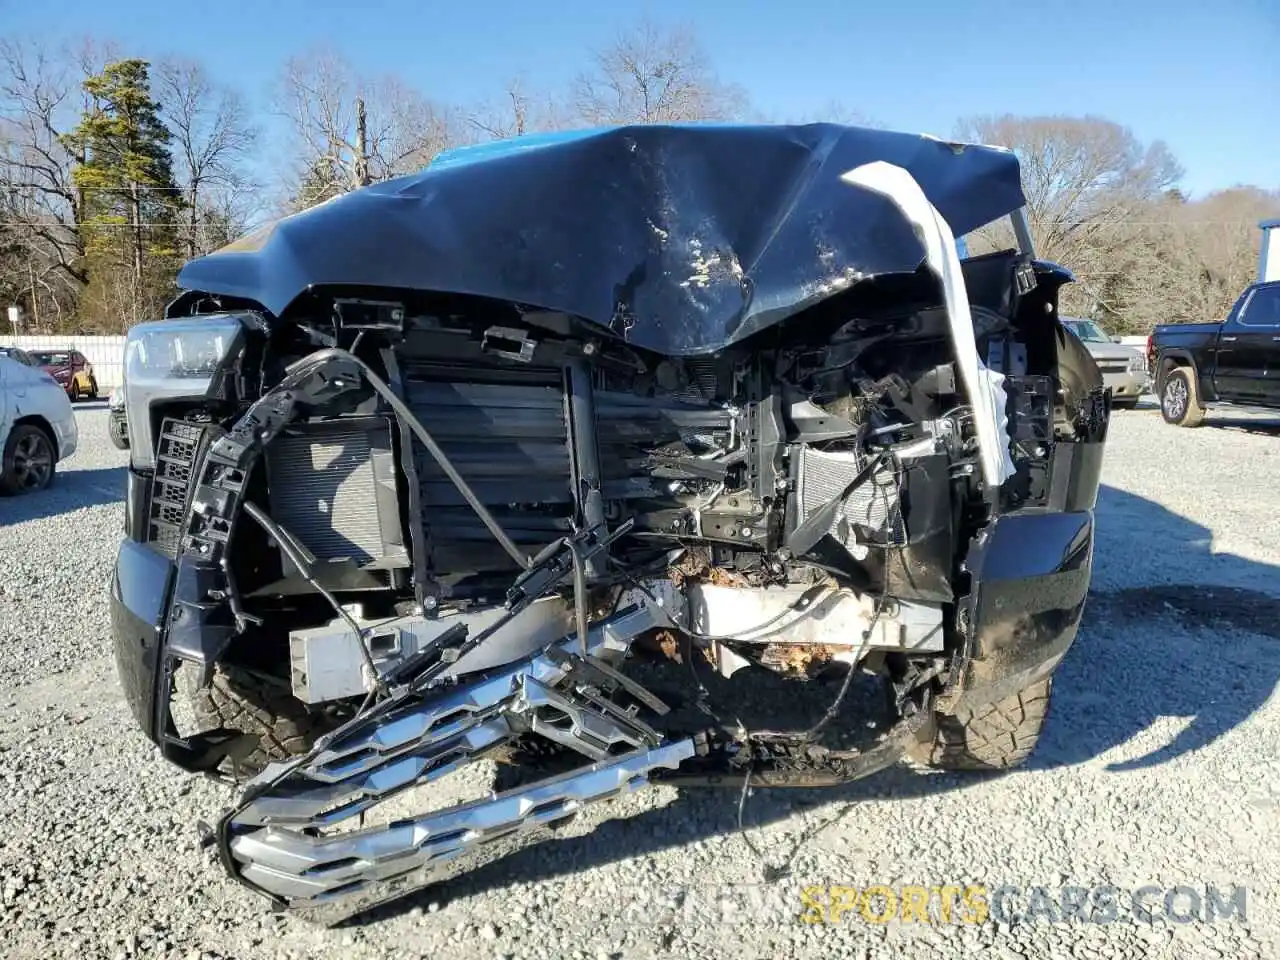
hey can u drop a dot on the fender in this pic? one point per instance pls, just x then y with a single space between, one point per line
1182 357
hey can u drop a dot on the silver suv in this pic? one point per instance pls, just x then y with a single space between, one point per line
1124 369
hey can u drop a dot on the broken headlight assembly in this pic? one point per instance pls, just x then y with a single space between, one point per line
171 361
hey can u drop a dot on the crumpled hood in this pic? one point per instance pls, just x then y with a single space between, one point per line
680 239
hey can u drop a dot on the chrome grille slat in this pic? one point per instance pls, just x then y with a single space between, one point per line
273 840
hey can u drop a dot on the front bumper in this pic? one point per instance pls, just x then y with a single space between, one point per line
67 432
1129 385
140 587
1031 576
140 594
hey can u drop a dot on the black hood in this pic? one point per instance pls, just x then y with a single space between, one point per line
680 239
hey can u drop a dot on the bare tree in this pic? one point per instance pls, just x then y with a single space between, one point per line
502 123
518 111
834 111
1086 180
212 136
43 242
353 130
406 128
1079 173
654 74
42 204
1212 245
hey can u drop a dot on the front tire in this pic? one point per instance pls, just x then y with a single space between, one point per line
241 699
118 431
994 736
1180 400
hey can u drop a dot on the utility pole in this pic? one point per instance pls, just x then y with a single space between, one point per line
35 301
361 166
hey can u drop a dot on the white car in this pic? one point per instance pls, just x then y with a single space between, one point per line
37 427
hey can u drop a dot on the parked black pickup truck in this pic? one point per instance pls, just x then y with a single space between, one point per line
1236 362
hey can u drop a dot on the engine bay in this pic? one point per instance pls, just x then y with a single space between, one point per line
801 501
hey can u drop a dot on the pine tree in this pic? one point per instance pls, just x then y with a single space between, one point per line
322 181
131 200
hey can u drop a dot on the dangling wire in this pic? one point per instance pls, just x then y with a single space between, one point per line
289 547
770 872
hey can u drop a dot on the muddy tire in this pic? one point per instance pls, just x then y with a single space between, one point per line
241 699
1180 400
995 736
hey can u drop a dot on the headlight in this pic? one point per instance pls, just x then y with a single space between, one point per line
170 360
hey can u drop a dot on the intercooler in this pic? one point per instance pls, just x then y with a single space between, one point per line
333 487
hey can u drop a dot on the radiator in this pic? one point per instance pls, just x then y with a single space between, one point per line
873 503
509 438
333 487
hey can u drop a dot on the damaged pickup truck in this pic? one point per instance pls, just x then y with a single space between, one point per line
501 460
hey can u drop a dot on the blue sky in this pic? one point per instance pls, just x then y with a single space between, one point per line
1205 77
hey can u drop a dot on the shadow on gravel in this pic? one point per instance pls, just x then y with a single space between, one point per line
1206 646
1265 428
70 490
1145 652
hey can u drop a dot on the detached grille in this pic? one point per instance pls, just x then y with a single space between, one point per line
176 451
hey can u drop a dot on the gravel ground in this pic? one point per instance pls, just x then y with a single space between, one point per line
1158 768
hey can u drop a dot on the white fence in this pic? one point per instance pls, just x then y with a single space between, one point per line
105 353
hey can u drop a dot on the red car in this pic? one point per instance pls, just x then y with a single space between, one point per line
71 369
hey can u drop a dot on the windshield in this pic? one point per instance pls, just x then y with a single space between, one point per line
50 358
1087 330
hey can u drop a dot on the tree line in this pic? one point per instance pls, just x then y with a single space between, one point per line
115 168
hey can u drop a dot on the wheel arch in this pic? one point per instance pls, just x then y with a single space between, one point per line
1170 360
36 420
